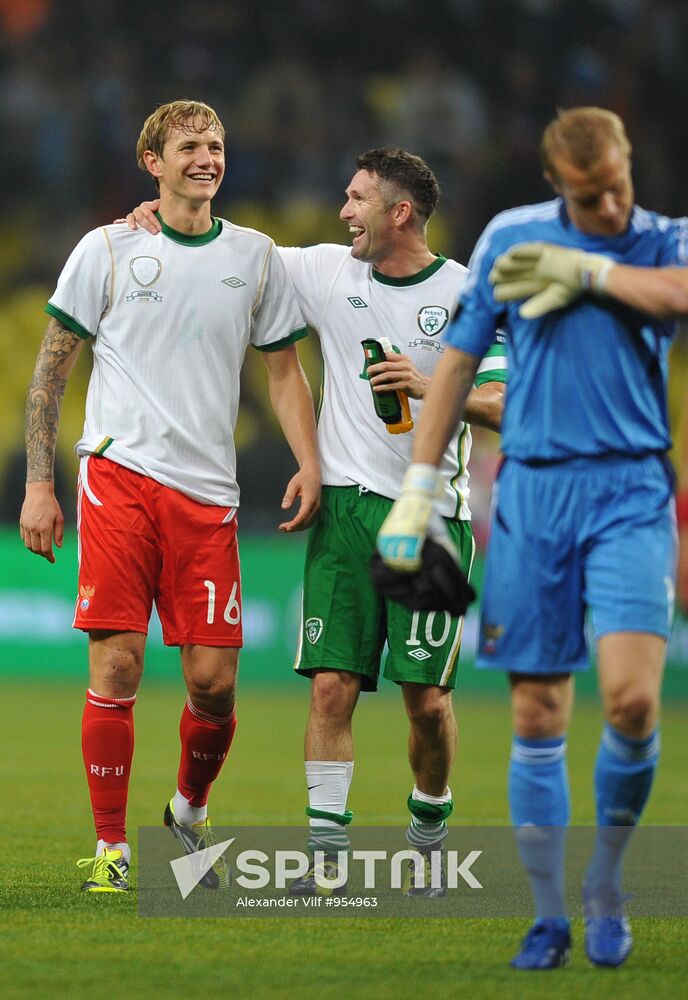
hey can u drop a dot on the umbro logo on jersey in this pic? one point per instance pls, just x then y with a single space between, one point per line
357 302
233 282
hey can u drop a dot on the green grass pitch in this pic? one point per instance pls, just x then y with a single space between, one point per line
54 942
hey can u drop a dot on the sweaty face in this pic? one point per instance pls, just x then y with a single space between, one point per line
367 212
192 164
598 200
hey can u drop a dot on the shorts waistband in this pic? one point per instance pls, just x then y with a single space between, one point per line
608 458
360 490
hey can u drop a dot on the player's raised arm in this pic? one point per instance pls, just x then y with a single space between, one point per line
41 521
661 292
549 277
292 402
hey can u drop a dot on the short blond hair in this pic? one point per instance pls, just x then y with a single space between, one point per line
192 116
581 136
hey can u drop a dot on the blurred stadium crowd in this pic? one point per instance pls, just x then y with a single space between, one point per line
303 87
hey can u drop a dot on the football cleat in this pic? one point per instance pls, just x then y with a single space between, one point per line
196 838
608 938
327 871
110 872
547 945
431 887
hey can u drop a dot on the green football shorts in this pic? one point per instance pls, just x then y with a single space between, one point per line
346 624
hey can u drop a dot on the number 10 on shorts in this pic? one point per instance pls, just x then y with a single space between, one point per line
232 612
413 639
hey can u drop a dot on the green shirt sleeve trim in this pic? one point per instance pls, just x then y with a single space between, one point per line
279 345
496 355
68 321
495 375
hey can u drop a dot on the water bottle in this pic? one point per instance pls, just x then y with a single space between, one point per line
391 406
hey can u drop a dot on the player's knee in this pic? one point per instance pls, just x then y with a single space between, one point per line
334 693
214 695
115 665
632 711
540 709
537 719
431 710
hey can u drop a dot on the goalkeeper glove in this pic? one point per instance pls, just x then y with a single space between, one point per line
549 277
439 584
401 537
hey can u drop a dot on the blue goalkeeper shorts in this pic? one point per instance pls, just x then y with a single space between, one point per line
587 535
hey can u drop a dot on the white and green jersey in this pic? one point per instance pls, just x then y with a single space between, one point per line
347 301
171 317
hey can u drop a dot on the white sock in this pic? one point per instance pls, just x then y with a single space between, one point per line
437 800
328 783
120 846
186 814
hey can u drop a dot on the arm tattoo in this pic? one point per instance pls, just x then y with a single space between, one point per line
53 364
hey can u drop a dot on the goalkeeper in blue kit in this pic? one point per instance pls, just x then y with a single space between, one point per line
584 515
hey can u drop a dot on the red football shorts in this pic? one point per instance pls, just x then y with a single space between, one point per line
141 542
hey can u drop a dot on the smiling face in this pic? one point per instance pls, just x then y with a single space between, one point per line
192 163
599 198
369 212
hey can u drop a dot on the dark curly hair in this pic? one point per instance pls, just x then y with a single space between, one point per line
408 173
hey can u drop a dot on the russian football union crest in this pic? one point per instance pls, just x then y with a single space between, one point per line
86 592
432 320
313 627
145 270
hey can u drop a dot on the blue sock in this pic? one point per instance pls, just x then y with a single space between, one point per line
624 770
539 801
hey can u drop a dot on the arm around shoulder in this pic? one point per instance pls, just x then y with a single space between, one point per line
485 405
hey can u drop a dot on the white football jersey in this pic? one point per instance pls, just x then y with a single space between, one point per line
347 301
172 316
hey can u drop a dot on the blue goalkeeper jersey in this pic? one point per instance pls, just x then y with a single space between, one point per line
587 380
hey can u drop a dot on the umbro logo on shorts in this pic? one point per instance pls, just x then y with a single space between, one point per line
420 654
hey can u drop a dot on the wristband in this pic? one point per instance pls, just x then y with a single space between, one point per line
594 274
421 478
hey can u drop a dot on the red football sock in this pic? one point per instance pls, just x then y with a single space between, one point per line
206 740
107 743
